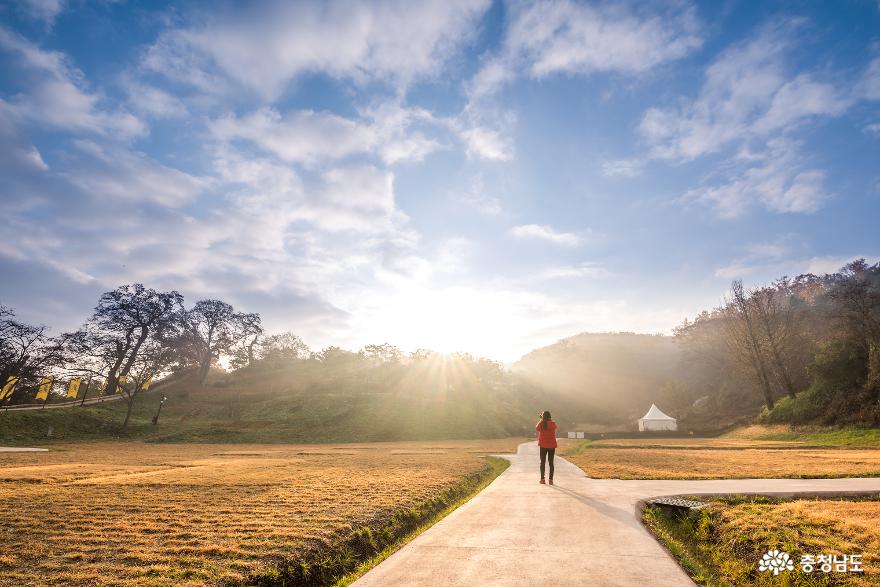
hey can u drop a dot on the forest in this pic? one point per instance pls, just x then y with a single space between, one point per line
799 350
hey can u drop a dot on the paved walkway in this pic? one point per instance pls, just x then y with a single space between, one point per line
21 449
580 531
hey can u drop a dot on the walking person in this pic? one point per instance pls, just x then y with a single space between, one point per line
546 428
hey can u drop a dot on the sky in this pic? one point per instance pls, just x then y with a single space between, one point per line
479 176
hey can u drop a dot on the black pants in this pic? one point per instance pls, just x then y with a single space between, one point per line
545 452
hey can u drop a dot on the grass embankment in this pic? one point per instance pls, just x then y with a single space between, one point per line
722 544
145 514
753 452
843 437
290 405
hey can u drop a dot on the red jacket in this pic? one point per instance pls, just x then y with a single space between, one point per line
546 438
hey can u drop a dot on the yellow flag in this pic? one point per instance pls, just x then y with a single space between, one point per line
9 387
147 383
120 384
45 386
73 388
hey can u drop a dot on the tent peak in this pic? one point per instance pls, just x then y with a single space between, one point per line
654 413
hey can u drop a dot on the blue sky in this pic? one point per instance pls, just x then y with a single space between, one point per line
478 176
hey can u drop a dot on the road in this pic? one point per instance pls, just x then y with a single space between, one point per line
74 403
580 531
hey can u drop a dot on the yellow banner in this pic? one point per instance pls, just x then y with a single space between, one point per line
9 387
147 383
73 388
120 384
45 387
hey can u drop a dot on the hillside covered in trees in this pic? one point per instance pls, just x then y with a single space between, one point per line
802 350
806 349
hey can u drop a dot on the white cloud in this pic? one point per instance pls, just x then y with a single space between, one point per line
762 269
355 199
751 102
869 85
124 175
775 179
268 46
545 38
746 95
56 95
760 257
476 197
43 10
151 101
588 270
622 168
830 264
302 136
798 99
308 137
547 233
487 143
873 129
738 88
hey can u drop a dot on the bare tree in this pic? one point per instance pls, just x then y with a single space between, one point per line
123 321
775 323
27 352
154 359
249 330
744 339
855 293
213 328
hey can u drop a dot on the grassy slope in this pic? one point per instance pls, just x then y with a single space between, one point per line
848 436
722 544
284 406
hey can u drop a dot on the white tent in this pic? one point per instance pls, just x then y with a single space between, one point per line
656 420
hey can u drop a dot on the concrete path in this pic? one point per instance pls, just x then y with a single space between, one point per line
580 531
21 449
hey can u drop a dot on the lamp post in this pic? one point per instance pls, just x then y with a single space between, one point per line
159 409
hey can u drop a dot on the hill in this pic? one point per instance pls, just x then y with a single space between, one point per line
308 401
611 378
596 382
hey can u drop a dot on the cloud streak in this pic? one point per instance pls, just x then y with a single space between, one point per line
546 233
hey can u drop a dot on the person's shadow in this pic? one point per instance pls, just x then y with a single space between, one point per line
616 513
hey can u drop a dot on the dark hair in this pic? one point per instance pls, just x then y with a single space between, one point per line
545 417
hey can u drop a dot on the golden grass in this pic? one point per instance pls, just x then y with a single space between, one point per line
728 539
717 459
721 442
145 514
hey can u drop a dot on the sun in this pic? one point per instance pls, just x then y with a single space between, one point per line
447 320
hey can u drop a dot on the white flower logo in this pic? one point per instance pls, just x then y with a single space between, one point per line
775 560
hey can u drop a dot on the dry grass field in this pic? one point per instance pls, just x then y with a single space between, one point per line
723 544
183 514
747 453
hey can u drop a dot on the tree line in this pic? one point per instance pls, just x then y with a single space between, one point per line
807 347
134 335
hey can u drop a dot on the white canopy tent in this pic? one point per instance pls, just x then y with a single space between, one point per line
656 420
